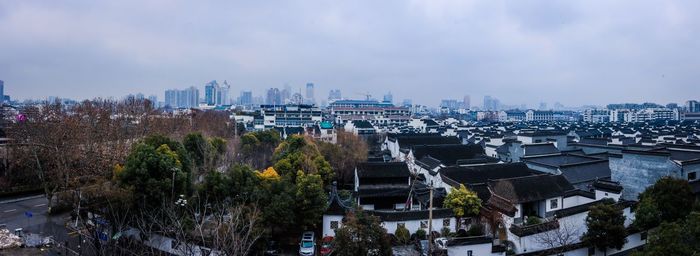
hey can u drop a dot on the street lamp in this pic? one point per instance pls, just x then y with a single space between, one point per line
172 192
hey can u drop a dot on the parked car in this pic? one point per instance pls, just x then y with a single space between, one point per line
272 248
326 246
307 246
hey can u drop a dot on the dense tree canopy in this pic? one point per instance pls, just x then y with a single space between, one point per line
149 173
299 153
463 202
606 226
361 234
669 199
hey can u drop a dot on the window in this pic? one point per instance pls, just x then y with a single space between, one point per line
423 224
469 253
446 223
692 175
401 225
554 203
334 225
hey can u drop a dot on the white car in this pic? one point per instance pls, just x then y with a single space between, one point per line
307 246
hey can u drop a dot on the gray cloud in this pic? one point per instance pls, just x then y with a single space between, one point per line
575 52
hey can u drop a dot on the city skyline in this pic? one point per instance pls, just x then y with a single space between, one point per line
420 50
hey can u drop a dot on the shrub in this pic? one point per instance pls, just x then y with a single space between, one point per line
533 220
403 236
445 232
421 234
476 230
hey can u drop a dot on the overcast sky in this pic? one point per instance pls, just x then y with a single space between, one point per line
522 52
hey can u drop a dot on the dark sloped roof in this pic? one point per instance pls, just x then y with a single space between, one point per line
483 173
411 215
531 188
362 124
588 171
429 163
367 191
540 149
609 186
460 241
410 142
559 160
383 170
448 154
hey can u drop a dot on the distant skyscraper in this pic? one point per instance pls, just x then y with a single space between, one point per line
210 92
2 91
310 93
187 98
491 103
286 93
466 103
388 98
273 97
154 100
171 98
334 95
543 106
246 98
407 102
692 106
222 94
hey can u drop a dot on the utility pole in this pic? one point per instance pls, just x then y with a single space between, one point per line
430 222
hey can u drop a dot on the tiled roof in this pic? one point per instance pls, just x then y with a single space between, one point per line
531 188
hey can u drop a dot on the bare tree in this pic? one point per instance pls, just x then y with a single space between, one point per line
561 238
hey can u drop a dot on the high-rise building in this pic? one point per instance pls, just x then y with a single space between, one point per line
171 98
466 102
246 98
543 106
187 98
273 97
2 91
210 93
491 103
222 94
692 106
310 98
334 95
388 98
286 93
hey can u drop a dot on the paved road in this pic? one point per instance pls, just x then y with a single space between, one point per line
12 214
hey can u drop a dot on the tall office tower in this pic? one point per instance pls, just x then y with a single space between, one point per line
154 100
466 103
692 106
246 98
488 103
2 91
171 98
222 94
310 93
273 97
388 98
192 97
210 92
286 93
334 95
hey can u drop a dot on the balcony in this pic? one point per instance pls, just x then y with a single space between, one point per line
523 229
